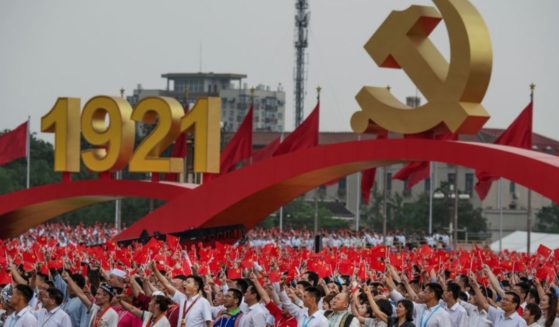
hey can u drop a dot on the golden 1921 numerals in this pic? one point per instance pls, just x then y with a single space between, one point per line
108 125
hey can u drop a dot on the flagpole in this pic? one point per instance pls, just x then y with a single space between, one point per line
28 152
358 193
316 191
384 196
431 166
529 218
500 204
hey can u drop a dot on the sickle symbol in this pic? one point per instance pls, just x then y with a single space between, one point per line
454 91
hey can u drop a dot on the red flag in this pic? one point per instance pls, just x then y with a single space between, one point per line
518 134
13 144
544 251
172 241
416 171
266 152
368 177
239 148
303 137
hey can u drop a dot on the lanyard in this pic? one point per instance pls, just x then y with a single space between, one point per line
307 321
50 316
421 324
186 310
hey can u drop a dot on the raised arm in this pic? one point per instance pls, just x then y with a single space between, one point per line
494 281
409 289
136 289
263 294
376 310
129 307
168 286
77 290
479 296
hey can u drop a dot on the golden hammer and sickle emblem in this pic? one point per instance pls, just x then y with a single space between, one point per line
454 91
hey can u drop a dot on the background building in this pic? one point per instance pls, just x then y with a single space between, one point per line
269 104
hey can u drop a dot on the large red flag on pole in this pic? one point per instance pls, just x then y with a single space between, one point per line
267 151
13 144
239 147
416 171
303 137
368 176
518 134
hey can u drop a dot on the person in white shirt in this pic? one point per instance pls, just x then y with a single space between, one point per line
155 316
310 315
532 313
52 315
22 315
256 313
457 313
427 311
194 309
101 313
506 316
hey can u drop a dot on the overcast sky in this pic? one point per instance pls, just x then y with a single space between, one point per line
51 49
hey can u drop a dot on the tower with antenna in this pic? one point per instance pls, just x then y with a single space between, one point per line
302 17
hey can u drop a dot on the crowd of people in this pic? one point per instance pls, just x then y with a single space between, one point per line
269 282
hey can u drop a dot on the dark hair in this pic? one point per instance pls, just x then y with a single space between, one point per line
524 288
454 289
237 295
463 296
252 289
26 291
181 277
304 283
313 277
534 294
486 291
55 294
408 305
314 292
535 311
437 290
198 280
242 284
79 280
464 279
162 302
515 299
552 310
385 306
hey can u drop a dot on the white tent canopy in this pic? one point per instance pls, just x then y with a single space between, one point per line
517 241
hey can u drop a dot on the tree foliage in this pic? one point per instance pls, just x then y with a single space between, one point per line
299 214
13 177
548 219
413 216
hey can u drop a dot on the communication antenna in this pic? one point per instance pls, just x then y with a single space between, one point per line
302 17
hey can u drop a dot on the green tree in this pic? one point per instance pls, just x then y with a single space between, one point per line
413 216
548 219
299 214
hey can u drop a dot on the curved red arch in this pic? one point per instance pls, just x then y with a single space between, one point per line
25 209
250 194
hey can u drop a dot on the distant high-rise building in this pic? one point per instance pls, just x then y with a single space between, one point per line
269 105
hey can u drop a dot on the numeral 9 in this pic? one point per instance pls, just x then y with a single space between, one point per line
115 141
